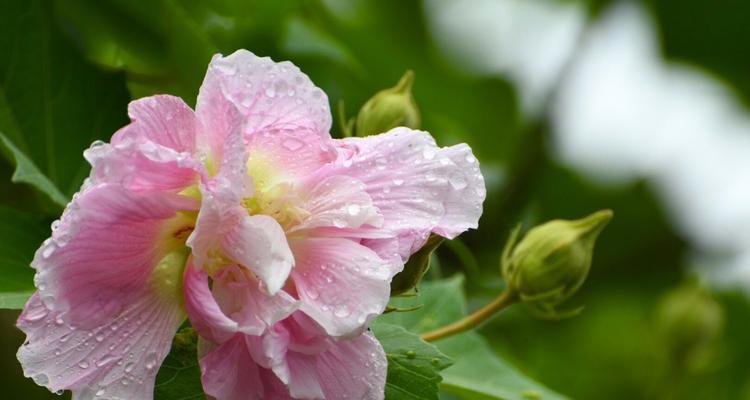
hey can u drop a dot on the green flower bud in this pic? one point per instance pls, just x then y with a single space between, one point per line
552 261
416 267
689 323
389 108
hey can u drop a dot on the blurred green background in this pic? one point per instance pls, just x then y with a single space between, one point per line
68 69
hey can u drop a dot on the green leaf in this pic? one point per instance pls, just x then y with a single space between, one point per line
478 372
21 234
180 376
27 172
413 365
53 104
415 268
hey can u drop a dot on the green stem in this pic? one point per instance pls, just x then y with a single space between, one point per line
506 298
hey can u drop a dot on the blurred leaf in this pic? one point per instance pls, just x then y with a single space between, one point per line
21 234
478 372
54 103
415 268
180 374
27 172
413 365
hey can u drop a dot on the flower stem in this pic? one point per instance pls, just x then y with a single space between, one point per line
506 298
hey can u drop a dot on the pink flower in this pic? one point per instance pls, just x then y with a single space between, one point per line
300 234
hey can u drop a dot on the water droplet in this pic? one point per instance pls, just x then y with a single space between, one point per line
129 367
106 360
41 379
151 361
36 314
48 250
411 354
398 182
270 92
428 154
55 225
99 337
59 320
100 392
96 143
292 144
339 222
457 180
353 209
470 158
58 352
64 338
312 293
341 311
83 364
60 392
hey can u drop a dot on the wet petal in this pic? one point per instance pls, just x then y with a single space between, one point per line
418 187
262 94
118 358
342 285
164 120
339 202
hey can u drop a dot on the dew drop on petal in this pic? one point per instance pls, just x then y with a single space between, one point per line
151 361
353 209
457 181
341 311
83 364
129 367
292 144
398 182
428 154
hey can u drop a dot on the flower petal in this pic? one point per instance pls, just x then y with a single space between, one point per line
341 202
164 120
140 165
264 94
342 284
418 187
353 369
117 359
228 372
205 314
258 242
105 249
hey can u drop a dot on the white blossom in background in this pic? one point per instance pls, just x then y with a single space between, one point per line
623 113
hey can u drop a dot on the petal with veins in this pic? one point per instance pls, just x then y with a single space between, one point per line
342 284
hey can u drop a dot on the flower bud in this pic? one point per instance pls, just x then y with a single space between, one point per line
416 267
388 109
689 322
552 261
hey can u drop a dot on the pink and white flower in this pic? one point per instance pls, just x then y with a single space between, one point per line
300 235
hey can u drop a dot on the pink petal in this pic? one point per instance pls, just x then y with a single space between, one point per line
164 120
353 369
258 242
263 94
143 166
342 284
418 187
205 314
238 304
118 358
245 300
341 202
228 372
104 250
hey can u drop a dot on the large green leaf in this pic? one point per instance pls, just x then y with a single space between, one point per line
53 104
180 376
478 372
21 234
413 365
